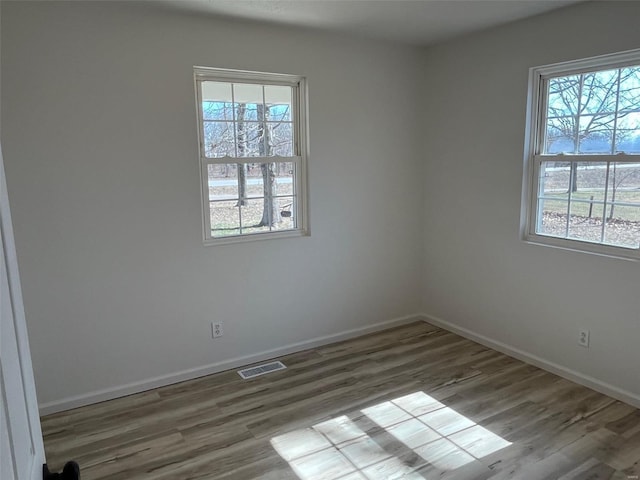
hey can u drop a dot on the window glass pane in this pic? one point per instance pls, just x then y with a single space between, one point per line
560 136
554 179
624 228
286 218
282 149
284 178
248 112
247 93
278 101
589 180
562 111
628 141
624 182
629 89
278 113
225 219
250 137
255 185
218 139
628 132
254 216
563 96
583 227
587 200
269 176
223 182
553 219
280 139
212 110
212 91
599 91
596 133
623 205
248 102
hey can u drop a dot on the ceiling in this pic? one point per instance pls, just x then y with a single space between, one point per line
417 22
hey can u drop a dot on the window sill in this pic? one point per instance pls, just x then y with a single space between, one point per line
208 242
619 253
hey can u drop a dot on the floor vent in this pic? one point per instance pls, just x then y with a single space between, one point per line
261 369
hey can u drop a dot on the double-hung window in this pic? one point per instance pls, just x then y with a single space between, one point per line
253 154
582 184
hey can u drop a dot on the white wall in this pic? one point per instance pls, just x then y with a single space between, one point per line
100 147
100 150
478 274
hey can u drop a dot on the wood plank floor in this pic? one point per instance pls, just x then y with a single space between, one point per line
413 402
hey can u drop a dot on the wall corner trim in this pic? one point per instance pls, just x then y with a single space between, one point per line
96 396
552 367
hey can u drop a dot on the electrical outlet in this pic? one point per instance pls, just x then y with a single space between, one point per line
583 338
216 329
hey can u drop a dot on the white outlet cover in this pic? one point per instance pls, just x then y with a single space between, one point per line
583 338
216 330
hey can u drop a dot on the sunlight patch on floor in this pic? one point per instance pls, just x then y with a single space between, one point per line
338 449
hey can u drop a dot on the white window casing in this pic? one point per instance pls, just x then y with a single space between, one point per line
541 161
296 154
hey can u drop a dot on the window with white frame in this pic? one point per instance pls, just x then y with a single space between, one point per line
252 135
582 189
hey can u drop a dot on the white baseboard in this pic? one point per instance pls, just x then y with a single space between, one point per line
160 381
163 380
565 372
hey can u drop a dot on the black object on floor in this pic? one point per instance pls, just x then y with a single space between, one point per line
71 471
